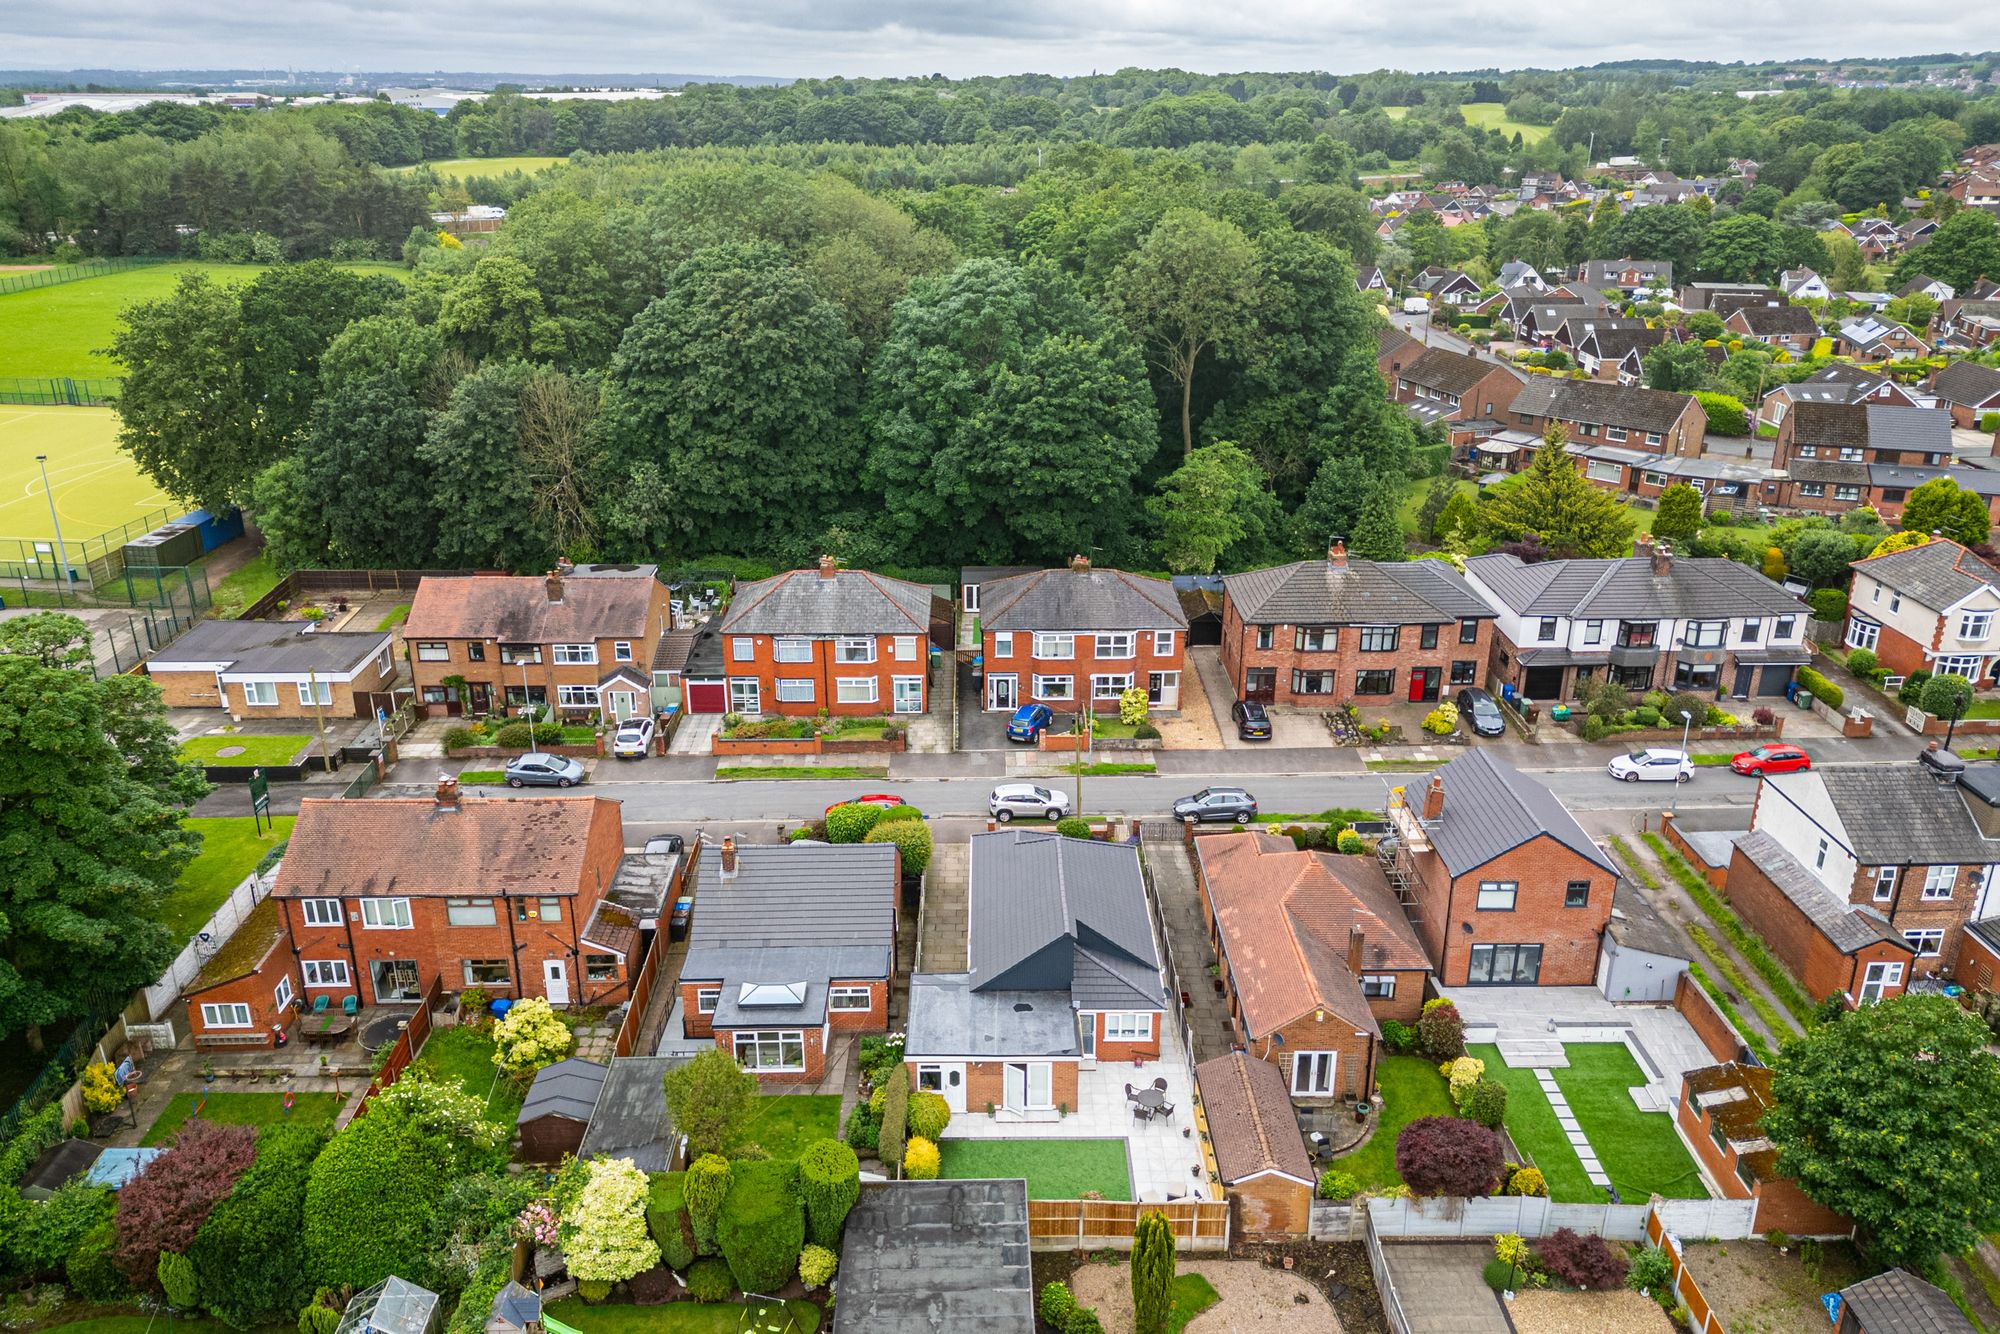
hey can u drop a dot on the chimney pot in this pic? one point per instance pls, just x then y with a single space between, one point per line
1080 563
728 857
1336 555
1434 799
1357 941
447 794
1663 558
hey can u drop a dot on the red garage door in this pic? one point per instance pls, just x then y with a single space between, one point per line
707 697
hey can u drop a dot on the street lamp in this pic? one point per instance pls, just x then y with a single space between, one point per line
62 552
528 704
1687 722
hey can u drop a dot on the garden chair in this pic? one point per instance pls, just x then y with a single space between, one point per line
1128 1092
1160 1084
320 1003
1141 1112
350 1006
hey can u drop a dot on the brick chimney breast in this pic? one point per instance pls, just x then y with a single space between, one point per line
1357 943
447 794
728 857
1663 559
554 584
1434 799
1080 563
828 567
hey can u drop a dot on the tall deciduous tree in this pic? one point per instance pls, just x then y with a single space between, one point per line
1191 288
710 1100
1964 249
290 314
1552 500
1743 247
361 464
1891 1115
1677 368
1939 506
185 415
1216 502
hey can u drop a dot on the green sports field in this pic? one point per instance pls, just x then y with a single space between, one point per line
1493 116
96 486
61 331
466 167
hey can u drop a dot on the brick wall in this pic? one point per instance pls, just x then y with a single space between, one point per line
1978 964
1909 910
1781 1205
1709 1025
197 690
1897 653
825 673
1240 653
1024 667
1127 1050
1351 1068
985 1083
1271 1206
256 989
1817 962
1543 869
815 1051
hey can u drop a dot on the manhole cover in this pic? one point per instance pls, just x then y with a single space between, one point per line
224 752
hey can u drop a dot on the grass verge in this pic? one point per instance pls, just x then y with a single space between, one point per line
482 778
1707 759
240 1109
243 586
1783 984
394 618
1340 815
1055 1169
230 850
1402 766
1773 1018
1411 1088
258 751
1639 870
1111 769
743 772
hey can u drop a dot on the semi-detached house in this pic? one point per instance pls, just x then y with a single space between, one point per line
1933 608
1598 412
1063 637
844 641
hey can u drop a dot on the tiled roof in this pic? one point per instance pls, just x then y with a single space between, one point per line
1836 425
1898 814
1250 1119
1938 574
787 895
1926 430
849 602
1391 339
520 610
1602 403
1362 592
277 647
1967 383
567 1089
1450 372
1849 926
1087 599
412 846
1614 344
1491 808
1627 588
1049 913
1899 1302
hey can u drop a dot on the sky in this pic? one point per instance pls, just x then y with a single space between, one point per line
818 38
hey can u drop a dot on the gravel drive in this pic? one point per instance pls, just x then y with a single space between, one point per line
1621 1312
1254 1296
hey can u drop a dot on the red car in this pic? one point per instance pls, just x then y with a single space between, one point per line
883 799
1773 759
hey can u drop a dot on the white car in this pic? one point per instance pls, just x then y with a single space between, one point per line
1652 766
634 739
1028 800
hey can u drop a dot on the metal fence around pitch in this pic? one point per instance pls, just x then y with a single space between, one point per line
59 391
92 560
131 617
57 274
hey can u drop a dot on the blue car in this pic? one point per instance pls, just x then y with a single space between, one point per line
1028 722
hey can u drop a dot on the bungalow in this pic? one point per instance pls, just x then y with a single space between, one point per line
1368 278
1628 275
1450 286
1924 285
1876 339
1790 327
1520 273
1725 297
277 669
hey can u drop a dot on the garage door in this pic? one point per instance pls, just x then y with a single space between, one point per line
1542 683
707 697
1774 680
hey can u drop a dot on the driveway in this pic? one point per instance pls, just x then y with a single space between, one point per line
978 729
1168 861
1290 728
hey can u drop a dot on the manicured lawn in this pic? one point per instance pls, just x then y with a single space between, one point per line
257 750
137 1324
673 1318
787 1122
1411 1088
1984 708
1055 1169
1641 1152
242 1109
230 850
244 585
465 1055
1111 769
482 778
1532 1124
761 772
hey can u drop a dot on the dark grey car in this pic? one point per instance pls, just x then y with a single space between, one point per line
1211 804
1479 711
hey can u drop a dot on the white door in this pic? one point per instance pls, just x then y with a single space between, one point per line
743 697
555 981
1041 1085
945 1079
909 694
1000 693
1878 979
1086 1036
1016 1091
1312 1073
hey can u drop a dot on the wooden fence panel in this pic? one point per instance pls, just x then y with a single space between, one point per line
408 1043
1198 1225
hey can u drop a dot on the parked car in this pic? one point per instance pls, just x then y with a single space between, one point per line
542 769
1029 721
1252 723
883 799
1218 803
1652 766
633 739
1478 711
1777 758
1026 799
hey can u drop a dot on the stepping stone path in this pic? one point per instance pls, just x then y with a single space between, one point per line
1567 1120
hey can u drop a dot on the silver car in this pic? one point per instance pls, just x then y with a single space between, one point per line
634 739
541 769
1027 800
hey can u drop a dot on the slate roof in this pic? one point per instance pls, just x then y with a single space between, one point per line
1450 372
1925 430
1898 814
1608 270
1361 592
1250 1119
937 1257
1899 1302
1778 321
1491 808
1830 425
275 647
630 1119
1391 339
1616 344
412 846
1963 382
600 604
1938 574
1602 403
1626 588
1284 916
1849 926
567 1089
1049 913
1089 599
850 602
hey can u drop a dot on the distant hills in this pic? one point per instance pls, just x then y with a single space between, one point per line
278 81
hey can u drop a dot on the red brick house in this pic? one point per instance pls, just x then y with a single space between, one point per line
277 669
1599 412
1315 952
1505 886
248 991
1395 350
1316 633
1968 390
1789 327
1059 637
1933 608
1828 450
1466 388
844 641
1063 974
1721 1111
791 945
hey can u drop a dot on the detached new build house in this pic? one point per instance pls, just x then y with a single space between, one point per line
844 641
1933 608
276 669
1504 886
1081 637
1323 632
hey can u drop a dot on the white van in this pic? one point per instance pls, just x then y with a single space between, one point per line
1416 305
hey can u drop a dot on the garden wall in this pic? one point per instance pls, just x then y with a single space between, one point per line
806 745
1930 724
1672 735
1701 1316
1717 1034
589 752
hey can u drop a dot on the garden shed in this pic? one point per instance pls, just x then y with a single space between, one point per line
516 1310
393 1306
919 1256
557 1110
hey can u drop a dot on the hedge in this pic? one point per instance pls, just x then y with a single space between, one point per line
666 1220
763 1225
250 1255
830 1183
912 839
1821 689
92 1273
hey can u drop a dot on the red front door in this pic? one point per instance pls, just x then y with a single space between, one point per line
1424 683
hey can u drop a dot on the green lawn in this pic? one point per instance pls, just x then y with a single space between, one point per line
137 1324
394 618
1532 1124
1111 769
762 772
230 850
1411 1088
244 585
257 750
673 1318
1055 1169
1984 708
785 1123
1641 1152
98 488
1190 1295
1493 116
241 1109
464 1055
466 168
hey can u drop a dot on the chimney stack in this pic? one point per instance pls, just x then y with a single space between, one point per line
554 584
447 794
1663 558
728 857
1081 564
828 567
1357 940
1434 799
1336 555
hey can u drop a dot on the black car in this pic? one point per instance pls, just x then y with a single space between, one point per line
1477 710
1252 723
1218 803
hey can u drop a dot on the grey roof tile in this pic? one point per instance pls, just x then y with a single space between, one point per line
1899 1302
1490 808
1602 403
1938 574
850 602
1039 901
630 1120
1898 814
1627 588
1848 926
1362 592
794 914
1089 599
567 1088
1967 383
1923 429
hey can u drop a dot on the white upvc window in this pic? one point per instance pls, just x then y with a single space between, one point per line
1128 1026
308 695
906 648
577 697
1885 883
777 1049
1163 643
621 650
229 1014
793 650
1863 634
1379 986
1705 634
584 654
470 912
795 689
1110 686
1054 687
1117 644
742 648
1055 646
706 999
1963 664
1498 895
283 993
850 998
260 692
321 912
433 650
385 914
856 689
1975 625
1593 632
1926 944
1003 643
1939 880
854 650
324 972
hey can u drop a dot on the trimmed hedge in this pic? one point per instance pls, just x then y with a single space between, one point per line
703 1191
666 1219
250 1255
763 1224
912 839
1821 689
829 1183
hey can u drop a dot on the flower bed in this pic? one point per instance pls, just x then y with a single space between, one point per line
808 736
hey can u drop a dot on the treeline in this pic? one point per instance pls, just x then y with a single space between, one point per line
657 361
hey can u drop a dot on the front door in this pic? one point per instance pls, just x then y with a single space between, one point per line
1746 677
482 696
1163 690
1000 693
909 694
622 704
1260 684
555 981
1086 1036
1424 682
1879 978
743 696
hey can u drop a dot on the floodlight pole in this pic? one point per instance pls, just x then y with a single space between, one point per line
62 551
